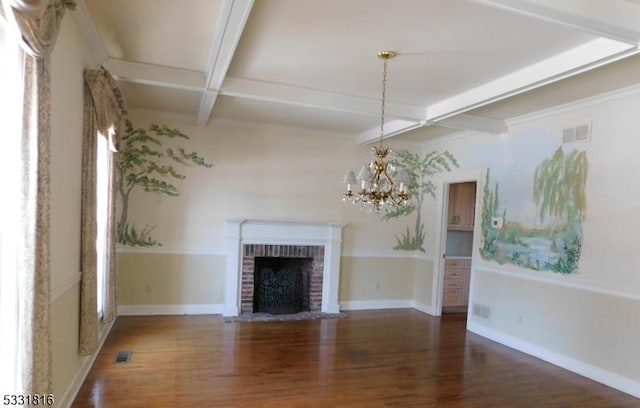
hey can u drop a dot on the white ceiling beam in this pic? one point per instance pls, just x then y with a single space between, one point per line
231 22
579 59
90 32
206 107
270 92
613 19
465 121
156 75
391 128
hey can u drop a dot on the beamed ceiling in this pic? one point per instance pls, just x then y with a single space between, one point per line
312 64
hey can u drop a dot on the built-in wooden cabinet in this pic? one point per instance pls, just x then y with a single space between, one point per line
457 273
462 197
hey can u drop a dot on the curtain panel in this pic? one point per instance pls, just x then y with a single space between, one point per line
103 110
38 23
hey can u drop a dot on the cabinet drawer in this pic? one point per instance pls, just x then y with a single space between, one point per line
453 283
452 297
454 273
455 263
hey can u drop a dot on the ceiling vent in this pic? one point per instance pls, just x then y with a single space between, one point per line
579 133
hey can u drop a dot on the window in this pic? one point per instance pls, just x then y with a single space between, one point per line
10 129
102 216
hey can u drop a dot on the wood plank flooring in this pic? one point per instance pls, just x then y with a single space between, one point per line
400 358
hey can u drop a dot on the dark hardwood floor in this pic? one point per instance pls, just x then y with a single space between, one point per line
399 358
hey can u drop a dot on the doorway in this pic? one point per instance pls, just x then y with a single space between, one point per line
460 203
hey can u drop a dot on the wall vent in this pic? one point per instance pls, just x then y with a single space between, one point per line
123 357
579 133
481 310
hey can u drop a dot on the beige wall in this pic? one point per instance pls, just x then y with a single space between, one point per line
170 279
423 283
259 172
64 337
67 64
584 318
152 279
592 327
367 278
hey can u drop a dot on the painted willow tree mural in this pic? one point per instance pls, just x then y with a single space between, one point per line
559 194
143 161
421 170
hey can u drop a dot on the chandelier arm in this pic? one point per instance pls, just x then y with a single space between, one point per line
391 183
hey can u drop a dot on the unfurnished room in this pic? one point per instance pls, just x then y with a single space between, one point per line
319 203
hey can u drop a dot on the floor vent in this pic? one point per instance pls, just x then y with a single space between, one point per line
123 357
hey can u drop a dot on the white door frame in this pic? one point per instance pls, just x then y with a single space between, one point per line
442 198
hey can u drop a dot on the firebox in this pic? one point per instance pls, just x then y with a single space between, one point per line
281 285
281 279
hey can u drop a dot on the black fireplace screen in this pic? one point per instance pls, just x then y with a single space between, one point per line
281 285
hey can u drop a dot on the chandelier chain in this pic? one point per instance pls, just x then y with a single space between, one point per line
384 94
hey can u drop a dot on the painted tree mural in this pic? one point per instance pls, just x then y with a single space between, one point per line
559 191
421 170
144 162
558 185
555 244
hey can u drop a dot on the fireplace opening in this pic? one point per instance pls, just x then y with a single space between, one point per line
281 285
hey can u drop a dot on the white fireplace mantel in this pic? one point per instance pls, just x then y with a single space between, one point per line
240 231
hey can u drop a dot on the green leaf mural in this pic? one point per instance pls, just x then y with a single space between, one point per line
559 193
558 185
421 170
143 161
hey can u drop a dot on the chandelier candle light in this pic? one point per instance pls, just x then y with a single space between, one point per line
377 186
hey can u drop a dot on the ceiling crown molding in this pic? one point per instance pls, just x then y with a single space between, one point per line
155 75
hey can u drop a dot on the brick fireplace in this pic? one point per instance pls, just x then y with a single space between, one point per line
247 239
313 291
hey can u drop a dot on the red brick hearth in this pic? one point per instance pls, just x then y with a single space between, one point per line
249 253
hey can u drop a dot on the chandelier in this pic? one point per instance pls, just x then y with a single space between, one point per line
378 189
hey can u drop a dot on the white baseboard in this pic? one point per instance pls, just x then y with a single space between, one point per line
376 304
600 375
87 363
423 308
144 310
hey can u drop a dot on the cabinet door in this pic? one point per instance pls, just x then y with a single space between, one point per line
466 197
452 218
452 297
461 207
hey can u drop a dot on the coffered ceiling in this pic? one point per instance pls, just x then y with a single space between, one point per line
312 64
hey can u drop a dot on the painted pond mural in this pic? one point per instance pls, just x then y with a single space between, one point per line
536 225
